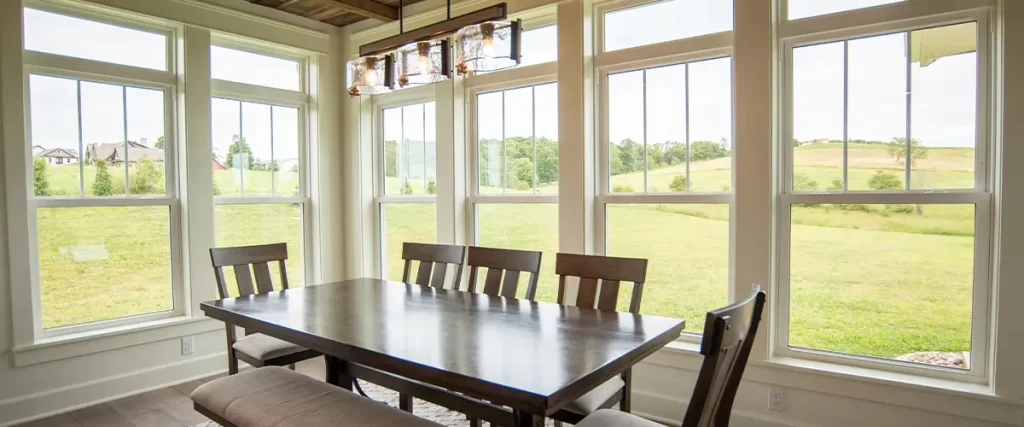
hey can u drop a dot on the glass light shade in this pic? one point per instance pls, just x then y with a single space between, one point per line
370 75
489 46
422 63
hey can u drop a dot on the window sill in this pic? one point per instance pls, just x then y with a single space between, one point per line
74 345
885 387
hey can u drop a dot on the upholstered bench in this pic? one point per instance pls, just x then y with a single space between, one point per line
275 396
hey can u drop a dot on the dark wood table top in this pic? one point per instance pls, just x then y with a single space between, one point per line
534 355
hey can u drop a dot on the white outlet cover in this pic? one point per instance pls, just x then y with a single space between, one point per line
186 346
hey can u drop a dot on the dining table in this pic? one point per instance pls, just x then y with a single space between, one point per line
508 361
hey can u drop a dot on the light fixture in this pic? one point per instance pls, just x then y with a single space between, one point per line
423 63
489 46
371 75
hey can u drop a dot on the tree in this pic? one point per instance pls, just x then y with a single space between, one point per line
547 161
406 188
522 170
391 158
239 147
102 184
159 143
145 178
707 150
432 187
41 177
216 187
883 180
675 153
803 182
678 183
898 149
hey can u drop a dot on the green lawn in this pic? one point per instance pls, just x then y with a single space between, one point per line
865 280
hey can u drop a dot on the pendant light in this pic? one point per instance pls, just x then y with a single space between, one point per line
489 46
424 62
371 75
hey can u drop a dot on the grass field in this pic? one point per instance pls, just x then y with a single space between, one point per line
869 282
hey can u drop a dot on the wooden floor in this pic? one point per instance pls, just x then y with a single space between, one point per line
168 407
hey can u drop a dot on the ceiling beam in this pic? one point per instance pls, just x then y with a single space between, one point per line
366 8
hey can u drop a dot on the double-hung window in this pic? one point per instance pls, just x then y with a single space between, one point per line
405 168
259 136
665 151
885 196
104 197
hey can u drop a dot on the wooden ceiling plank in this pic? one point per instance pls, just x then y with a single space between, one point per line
367 8
327 13
287 3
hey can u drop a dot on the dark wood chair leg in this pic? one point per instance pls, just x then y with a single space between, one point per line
474 422
526 419
232 358
405 402
627 391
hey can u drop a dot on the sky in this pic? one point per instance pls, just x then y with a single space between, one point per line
686 99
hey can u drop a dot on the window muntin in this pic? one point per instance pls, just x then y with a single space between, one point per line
58 34
855 104
664 21
255 69
410 150
523 226
808 8
670 128
934 261
255 148
517 140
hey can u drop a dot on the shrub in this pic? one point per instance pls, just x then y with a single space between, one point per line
102 185
803 182
406 187
726 187
619 188
146 179
883 180
432 187
837 184
902 209
41 177
216 187
678 183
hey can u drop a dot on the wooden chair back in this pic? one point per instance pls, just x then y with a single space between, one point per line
503 269
434 260
729 333
240 258
609 272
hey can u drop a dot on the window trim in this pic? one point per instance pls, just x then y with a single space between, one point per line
981 196
651 50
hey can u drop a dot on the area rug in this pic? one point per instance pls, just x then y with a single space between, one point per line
422 409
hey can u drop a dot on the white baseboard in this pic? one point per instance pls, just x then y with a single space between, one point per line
65 399
668 410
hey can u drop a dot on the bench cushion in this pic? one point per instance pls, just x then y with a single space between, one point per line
613 418
278 397
265 347
592 401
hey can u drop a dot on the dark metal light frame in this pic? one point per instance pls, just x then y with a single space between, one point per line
433 31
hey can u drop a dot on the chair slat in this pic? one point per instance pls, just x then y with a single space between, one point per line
222 287
609 296
263 281
244 278
423 273
511 284
473 271
440 270
492 284
586 292
284 274
223 257
561 290
601 267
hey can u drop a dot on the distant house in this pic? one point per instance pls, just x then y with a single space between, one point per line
36 149
57 156
114 153
217 166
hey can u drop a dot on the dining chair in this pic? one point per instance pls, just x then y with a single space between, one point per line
729 333
504 266
255 349
599 281
434 261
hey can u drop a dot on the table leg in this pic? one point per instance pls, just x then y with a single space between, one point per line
337 373
627 391
405 402
526 419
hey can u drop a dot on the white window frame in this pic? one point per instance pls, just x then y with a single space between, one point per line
673 52
888 19
87 70
301 100
402 98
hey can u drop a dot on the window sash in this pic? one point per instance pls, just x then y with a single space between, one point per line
981 196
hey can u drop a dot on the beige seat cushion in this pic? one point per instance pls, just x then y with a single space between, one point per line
265 347
613 418
278 397
592 401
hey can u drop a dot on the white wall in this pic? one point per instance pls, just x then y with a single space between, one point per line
151 359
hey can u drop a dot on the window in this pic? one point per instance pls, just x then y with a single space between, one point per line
259 156
239 66
664 21
105 199
808 8
540 45
886 210
408 153
516 178
87 39
667 174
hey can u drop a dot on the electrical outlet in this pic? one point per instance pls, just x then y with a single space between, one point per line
186 346
777 399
